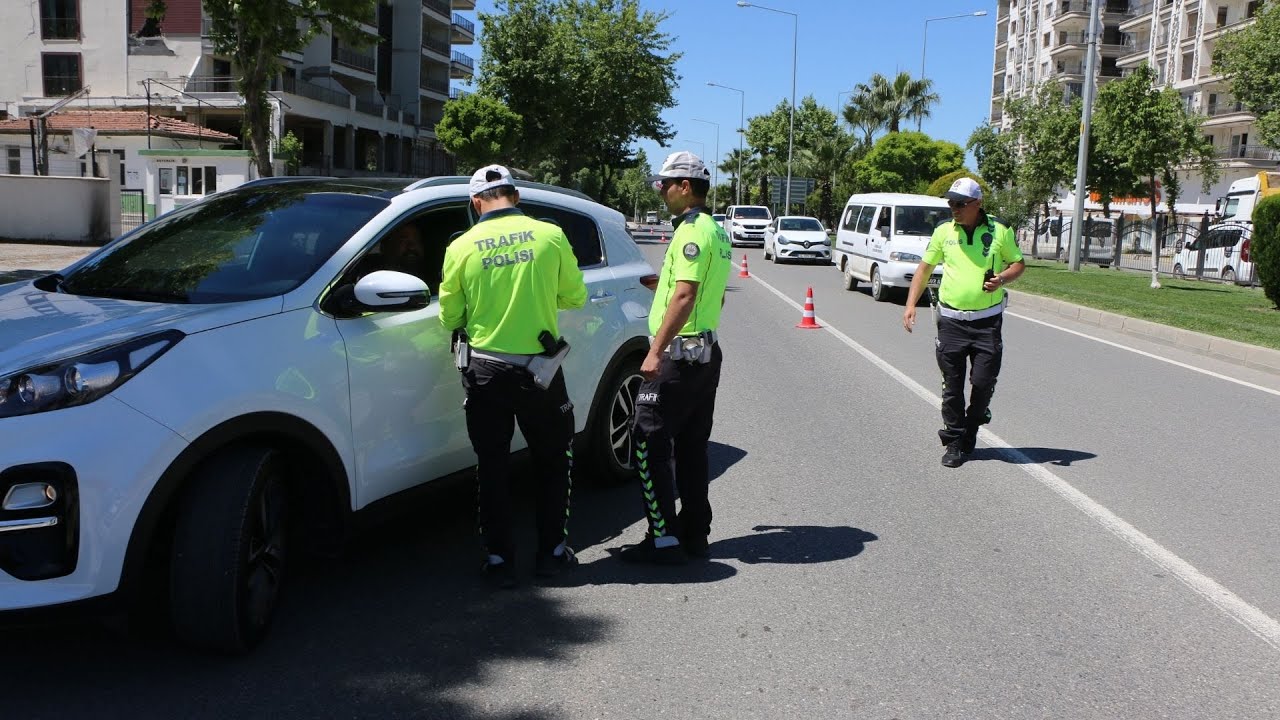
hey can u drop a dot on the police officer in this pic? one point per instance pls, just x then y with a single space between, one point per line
503 282
676 402
979 256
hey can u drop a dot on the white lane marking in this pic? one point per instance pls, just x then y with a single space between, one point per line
1153 356
1253 619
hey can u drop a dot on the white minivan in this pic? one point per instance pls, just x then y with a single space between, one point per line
1227 255
882 236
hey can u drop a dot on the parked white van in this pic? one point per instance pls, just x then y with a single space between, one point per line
882 236
745 224
1226 250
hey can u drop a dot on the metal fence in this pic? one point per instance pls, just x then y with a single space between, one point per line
133 210
1199 250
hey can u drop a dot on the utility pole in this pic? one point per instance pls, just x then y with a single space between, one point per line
1082 156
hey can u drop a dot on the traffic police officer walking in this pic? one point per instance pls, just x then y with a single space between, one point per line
502 284
676 402
972 301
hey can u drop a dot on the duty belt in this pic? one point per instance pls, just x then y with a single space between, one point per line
520 361
966 315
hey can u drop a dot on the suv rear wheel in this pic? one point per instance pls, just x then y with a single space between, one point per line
229 555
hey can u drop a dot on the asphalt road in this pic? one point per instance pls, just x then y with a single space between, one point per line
1110 552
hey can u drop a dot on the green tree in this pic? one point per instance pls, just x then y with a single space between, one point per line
823 162
731 165
864 116
635 193
768 134
479 130
940 186
289 149
589 78
1251 57
899 99
996 153
1151 133
1265 246
1047 129
255 34
906 162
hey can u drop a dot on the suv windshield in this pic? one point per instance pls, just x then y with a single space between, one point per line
798 224
245 244
914 220
751 213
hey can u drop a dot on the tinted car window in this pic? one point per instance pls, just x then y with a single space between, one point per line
918 220
851 217
581 230
864 220
247 244
416 246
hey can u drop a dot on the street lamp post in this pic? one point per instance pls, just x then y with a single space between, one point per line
701 144
925 45
742 106
791 135
715 167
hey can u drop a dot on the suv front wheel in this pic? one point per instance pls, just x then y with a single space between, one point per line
609 439
228 556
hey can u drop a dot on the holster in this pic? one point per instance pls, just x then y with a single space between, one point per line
692 348
461 347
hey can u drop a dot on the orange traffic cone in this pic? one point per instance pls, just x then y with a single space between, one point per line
808 320
664 236
744 272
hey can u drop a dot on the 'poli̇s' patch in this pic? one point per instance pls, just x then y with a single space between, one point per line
691 251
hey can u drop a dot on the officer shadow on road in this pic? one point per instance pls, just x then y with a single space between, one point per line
794 544
605 518
1032 455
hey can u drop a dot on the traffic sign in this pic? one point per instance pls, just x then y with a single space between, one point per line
800 189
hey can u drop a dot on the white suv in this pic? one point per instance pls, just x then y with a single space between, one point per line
194 403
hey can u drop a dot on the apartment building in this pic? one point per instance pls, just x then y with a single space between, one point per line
361 108
1047 40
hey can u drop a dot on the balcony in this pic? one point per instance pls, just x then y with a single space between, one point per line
1246 153
461 66
1215 30
439 86
1139 14
463 4
198 84
361 59
1002 62
1133 53
369 107
1071 13
439 46
316 92
60 28
457 93
1069 69
439 7
463 31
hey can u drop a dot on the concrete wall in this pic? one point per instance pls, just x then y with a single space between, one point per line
66 209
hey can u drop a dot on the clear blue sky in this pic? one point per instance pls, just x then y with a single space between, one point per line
841 43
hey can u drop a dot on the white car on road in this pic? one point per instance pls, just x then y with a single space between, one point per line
796 237
194 404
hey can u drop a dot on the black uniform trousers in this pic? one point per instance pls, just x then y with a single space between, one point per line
674 414
978 345
498 396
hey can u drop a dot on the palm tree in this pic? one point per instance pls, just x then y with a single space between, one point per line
823 161
901 99
864 115
731 165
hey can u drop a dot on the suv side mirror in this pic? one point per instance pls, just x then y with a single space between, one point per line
382 291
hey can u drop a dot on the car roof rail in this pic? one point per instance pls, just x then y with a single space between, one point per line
460 179
257 182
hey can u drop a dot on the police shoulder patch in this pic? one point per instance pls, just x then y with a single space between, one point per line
691 251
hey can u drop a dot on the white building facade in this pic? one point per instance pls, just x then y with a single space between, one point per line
1047 40
366 108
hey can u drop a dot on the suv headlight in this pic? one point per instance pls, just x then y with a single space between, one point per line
82 379
904 257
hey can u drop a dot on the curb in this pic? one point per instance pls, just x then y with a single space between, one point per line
1252 356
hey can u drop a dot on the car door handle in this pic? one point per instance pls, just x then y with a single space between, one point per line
602 297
